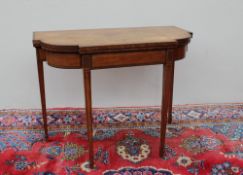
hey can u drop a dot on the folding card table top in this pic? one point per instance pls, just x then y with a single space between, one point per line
91 49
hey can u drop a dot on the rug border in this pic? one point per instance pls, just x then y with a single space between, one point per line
124 107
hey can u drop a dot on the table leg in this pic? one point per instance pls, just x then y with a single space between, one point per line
42 94
168 72
171 92
88 110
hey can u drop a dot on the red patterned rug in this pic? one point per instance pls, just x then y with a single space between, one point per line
203 139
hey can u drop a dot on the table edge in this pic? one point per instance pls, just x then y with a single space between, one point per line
110 48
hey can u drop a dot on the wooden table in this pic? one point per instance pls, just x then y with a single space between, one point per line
109 48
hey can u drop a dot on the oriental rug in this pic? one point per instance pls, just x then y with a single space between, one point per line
203 139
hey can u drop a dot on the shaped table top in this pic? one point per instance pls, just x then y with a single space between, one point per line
113 39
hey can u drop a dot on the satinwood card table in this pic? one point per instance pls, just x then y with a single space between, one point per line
92 49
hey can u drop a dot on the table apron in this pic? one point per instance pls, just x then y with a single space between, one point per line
108 60
127 59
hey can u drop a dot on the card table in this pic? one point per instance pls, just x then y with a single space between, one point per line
91 49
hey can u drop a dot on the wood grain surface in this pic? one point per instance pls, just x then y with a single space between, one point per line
102 40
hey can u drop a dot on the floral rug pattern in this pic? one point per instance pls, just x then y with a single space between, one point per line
203 139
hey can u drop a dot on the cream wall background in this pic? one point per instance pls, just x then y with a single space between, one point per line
212 71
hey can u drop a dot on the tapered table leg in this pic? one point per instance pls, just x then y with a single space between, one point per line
88 110
168 72
42 94
171 92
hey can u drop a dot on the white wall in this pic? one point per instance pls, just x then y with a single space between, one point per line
212 71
